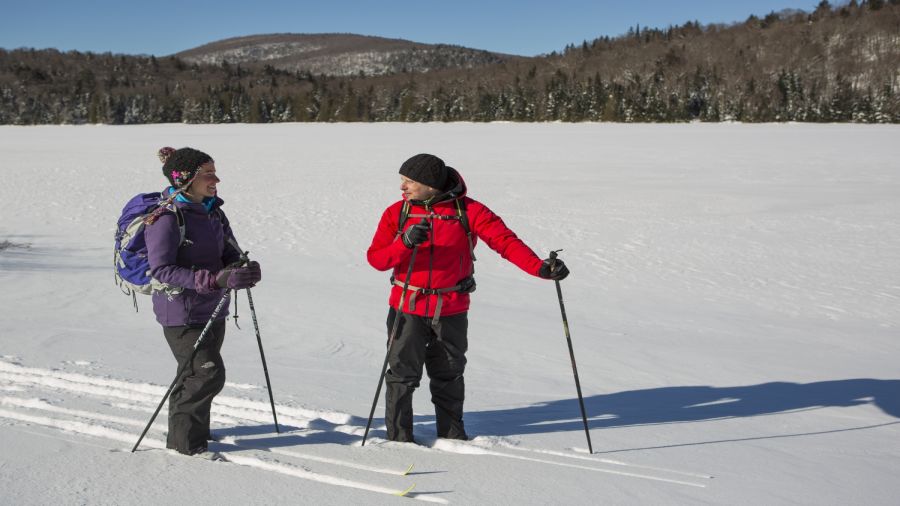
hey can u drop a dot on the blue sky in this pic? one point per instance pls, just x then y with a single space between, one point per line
524 27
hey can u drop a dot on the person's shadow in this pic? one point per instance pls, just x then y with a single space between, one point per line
683 404
664 405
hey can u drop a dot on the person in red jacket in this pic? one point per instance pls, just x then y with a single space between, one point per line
436 217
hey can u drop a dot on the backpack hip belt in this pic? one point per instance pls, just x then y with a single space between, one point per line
416 290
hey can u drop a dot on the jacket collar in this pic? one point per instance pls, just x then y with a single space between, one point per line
207 206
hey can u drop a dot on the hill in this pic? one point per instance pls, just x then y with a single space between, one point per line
339 54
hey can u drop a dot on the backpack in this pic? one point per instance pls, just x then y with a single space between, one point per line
130 263
465 285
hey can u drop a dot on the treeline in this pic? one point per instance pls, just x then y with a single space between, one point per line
834 64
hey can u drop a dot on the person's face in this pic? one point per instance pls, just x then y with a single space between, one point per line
414 190
204 184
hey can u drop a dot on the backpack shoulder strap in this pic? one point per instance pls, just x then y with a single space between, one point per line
463 217
404 215
464 221
179 218
164 206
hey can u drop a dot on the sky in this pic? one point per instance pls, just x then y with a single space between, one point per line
521 27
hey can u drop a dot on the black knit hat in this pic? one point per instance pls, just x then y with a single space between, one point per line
426 169
181 165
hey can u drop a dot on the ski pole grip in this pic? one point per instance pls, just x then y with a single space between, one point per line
553 255
245 258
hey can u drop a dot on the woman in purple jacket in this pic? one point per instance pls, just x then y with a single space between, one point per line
198 271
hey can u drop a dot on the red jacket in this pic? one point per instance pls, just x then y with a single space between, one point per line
444 259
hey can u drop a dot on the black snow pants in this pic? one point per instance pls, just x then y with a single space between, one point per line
202 379
441 348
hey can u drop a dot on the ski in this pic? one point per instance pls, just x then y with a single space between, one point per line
403 493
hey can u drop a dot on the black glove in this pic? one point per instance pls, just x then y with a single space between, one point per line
415 235
238 277
467 285
557 272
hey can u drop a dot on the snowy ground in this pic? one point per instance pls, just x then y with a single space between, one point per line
733 307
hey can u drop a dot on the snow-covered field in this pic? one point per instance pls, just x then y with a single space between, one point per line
734 305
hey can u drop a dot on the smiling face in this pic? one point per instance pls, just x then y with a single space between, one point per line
414 190
204 184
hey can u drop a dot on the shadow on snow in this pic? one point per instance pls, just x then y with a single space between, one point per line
685 404
26 257
665 405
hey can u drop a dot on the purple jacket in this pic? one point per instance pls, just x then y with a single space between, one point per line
192 265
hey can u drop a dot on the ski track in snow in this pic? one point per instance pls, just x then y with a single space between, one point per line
36 397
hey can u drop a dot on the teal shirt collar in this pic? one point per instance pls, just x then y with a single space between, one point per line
207 202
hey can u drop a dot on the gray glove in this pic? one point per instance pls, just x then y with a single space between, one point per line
239 277
415 235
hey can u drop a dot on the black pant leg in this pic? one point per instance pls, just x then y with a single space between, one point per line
202 379
445 361
405 359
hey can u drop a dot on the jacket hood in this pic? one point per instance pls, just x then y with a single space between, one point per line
455 189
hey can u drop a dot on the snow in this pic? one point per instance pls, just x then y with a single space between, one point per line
733 306
255 52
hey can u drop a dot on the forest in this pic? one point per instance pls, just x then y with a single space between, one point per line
835 64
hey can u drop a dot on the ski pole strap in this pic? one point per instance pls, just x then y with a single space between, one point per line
235 315
416 290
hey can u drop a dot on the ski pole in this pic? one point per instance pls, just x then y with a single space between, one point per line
262 355
182 367
396 325
562 309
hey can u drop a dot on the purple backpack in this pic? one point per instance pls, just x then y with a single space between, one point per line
130 262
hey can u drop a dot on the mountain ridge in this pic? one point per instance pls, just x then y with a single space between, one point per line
339 54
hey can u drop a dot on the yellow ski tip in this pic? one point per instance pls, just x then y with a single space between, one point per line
403 493
408 469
